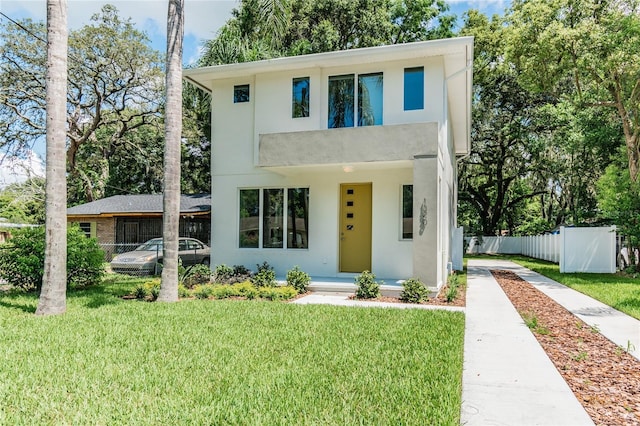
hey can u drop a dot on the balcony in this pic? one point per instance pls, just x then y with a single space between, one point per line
354 145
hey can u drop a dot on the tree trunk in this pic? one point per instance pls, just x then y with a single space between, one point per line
173 135
53 294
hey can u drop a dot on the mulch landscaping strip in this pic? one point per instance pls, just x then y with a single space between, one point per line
602 375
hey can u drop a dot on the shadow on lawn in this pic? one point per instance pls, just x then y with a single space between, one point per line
22 306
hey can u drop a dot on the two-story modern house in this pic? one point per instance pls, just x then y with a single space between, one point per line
340 162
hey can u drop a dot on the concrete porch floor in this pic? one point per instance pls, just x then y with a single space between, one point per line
392 287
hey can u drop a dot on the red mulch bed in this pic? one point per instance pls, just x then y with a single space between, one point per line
603 376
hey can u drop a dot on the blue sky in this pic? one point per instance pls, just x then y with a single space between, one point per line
202 20
202 17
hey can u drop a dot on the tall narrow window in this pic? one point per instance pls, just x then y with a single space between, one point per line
370 99
341 101
300 97
241 93
407 212
249 218
273 219
413 88
298 218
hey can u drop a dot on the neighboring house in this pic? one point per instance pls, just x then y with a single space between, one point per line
125 221
341 162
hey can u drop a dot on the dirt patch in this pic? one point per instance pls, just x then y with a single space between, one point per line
602 375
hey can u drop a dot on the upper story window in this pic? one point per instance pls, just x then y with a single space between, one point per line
241 93
343 102
300 97
413 88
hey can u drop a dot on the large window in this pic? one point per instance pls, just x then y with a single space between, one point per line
300 97
370 99
263 222
249 218
407 212
413 88
342 100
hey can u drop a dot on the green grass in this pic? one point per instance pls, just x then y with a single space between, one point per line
619 291
111 361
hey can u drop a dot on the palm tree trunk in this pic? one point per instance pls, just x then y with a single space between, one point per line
53 295
173 135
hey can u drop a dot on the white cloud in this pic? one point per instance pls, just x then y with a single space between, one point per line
15 170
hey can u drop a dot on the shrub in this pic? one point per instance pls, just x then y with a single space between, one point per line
197 274
140 292
203 291
368 288
278 293
246 289
183 292
298 279
223 291
265 277
414 291
153 289
452 288
22 259
223 273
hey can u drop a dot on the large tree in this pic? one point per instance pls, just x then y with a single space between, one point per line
53 295
173 137
587 51
115 84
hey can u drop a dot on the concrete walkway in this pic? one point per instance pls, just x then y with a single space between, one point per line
508 378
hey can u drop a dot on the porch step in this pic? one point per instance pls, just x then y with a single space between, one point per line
342 287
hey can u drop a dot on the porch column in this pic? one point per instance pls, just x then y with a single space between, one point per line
425 226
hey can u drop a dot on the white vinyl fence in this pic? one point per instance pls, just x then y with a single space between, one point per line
574 249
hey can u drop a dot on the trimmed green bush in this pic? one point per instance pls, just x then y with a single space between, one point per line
197 274
265 277
414 291
222 273
368 288
298 279
203 291
22 259
278 293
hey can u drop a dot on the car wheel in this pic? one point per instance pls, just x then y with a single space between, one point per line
206 261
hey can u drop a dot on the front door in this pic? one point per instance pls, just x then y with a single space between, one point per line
355 227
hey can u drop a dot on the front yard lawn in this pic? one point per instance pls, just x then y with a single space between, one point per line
112 361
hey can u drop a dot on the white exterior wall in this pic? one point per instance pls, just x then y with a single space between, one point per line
236 130
391 256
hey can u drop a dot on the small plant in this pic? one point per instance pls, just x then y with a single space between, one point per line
222 291
153 288
452 288
203 291
265 277
246 289
414 291
223 274
183 292
140 292
197 274
368 288
278 293
298 279
580 356
531 321
594 328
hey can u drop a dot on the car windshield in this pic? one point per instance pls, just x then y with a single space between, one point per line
152 245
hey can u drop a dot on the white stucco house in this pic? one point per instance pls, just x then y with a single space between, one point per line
340 162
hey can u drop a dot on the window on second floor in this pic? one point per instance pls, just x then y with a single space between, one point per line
300 97
343 102
413 88
241 93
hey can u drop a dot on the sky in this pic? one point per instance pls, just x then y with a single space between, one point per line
202 20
